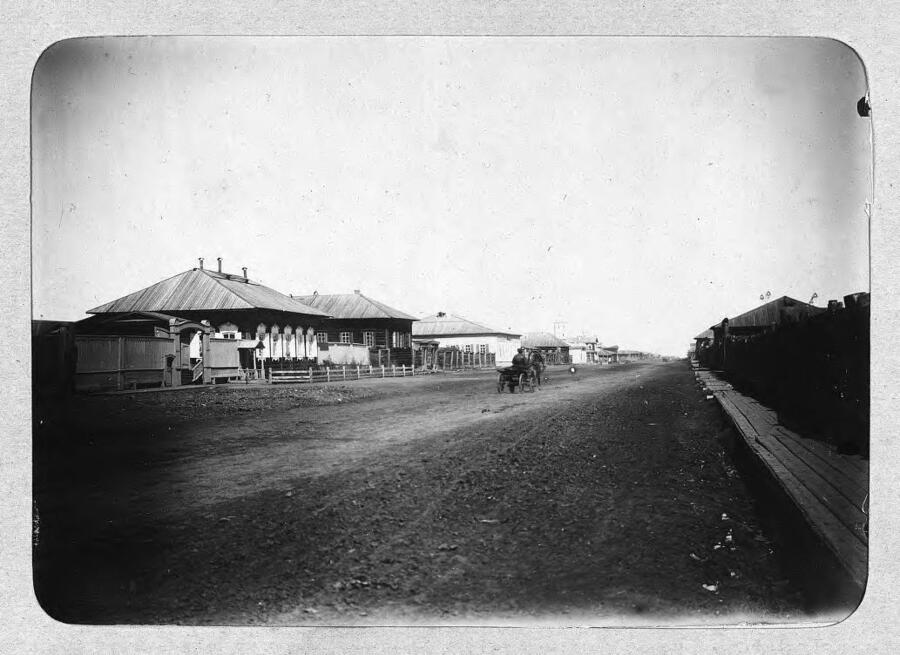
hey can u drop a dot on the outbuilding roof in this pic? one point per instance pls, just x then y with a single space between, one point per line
352 305
772 313
448 325
542 340
201 290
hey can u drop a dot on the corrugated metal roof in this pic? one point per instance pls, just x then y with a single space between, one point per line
542 340
448 325
202 290
352 305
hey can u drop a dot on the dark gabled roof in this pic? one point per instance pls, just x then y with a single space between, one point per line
448 325
352 305
771 313
542 340
202 290
706 334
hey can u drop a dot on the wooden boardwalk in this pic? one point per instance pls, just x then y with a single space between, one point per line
830 489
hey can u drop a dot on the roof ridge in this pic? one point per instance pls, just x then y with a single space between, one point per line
463 318
387 309
218 280
133 293
384 308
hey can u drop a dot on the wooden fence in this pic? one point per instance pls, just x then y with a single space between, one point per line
121 362
815 373
342 373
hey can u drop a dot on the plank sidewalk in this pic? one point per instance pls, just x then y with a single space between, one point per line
829 488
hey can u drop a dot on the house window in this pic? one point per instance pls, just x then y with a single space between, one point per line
321 337
468 348
228 335
346 337
369 338
482 348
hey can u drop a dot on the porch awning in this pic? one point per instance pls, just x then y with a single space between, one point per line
252 344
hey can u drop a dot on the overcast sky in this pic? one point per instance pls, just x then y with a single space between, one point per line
638 189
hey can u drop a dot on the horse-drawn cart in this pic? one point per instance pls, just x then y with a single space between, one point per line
512 377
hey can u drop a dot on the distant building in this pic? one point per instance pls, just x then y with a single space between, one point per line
470 337
583 349
553 349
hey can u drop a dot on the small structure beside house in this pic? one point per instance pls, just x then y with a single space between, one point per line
451 331
552 348
361 330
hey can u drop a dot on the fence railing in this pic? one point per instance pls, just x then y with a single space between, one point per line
343 373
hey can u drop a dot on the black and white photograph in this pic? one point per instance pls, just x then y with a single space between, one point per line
450 330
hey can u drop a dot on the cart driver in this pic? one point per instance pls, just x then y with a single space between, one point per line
520 361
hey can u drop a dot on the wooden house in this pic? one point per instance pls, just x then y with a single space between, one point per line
361 327
248 322
553 349
469 337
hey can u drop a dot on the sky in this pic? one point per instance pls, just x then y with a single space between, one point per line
634 189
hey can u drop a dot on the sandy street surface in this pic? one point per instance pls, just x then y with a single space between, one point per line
604 498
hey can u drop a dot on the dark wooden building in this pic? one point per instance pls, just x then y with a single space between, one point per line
356 319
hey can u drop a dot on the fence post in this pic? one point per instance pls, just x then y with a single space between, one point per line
403 370
328 374
310 373
120 366
344 373
382 370
393 370
357 371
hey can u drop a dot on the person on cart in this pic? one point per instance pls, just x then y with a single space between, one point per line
520 361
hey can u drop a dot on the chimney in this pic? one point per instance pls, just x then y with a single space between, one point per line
220 263
356 291
201 263
441 314
244 268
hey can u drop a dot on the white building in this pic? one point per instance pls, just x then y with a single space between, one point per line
468 336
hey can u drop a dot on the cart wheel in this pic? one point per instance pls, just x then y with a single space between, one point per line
522 382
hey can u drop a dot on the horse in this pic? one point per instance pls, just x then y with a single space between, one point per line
535 366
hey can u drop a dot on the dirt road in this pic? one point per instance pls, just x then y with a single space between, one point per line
605 497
